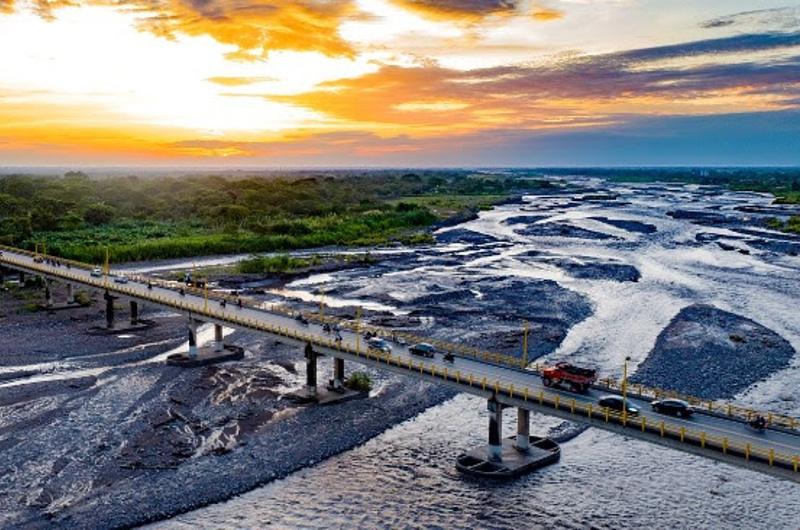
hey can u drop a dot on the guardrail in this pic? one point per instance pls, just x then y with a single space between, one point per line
634 390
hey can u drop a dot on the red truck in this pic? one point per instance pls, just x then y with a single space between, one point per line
564 374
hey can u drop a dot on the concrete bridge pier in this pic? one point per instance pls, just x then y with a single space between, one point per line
2 275
338 373
523 442
495 430
511 457
109 309
48 293
219 344
21 278
134 312
70 293
192 338
311 370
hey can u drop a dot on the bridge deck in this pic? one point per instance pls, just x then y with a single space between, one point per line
775 451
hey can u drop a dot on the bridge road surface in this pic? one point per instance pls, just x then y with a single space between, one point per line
773 451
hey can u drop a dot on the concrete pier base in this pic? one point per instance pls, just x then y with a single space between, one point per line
480 462
141 325
71 294
206 355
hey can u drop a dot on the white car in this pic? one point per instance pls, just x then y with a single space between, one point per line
379 344
97 272
120 279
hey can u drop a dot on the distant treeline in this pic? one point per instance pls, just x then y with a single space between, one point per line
141 218
780 181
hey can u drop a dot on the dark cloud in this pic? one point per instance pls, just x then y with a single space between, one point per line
777 19
523 95
481 7
752 42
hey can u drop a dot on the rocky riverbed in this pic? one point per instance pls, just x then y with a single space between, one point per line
86 446
710 353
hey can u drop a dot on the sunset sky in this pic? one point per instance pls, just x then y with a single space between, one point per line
399 82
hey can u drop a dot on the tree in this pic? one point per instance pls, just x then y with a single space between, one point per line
71 221
99 214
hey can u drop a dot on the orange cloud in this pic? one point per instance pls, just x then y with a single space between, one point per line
239 81
574 92
254 26
460 9
546 15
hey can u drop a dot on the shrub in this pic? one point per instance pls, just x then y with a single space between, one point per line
83 298
359 381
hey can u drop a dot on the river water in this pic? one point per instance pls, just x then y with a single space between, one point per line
406 477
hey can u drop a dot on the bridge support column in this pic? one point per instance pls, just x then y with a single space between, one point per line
70 293
134 312
109 310
2 275
338 373
311 370
21 278
218 339
523 430
495 430
192 338
48 293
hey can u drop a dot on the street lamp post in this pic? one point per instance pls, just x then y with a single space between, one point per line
625 391
525 345
358 329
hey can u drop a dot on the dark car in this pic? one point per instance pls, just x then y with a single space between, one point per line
673 407
424 349
616 403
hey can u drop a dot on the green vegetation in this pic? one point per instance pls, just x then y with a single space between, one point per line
141 218
791 225
273 264
444 206
83 298
283 263
359 381
791 197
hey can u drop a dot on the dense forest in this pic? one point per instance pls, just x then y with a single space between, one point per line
140 218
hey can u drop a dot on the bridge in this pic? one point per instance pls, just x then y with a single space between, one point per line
717 430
